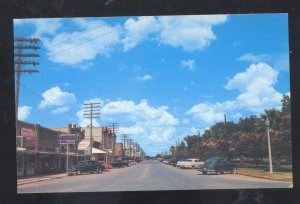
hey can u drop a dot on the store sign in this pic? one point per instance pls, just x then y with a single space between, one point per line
27 133
84 145
70 138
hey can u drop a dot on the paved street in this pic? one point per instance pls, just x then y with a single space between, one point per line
148 175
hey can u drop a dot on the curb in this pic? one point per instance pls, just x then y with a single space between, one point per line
35 180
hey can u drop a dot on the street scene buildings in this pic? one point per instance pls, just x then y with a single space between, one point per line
152 103
43 150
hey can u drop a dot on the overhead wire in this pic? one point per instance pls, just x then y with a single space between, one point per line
98 36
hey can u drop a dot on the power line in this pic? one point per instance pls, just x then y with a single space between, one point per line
95 38
23 44
91 111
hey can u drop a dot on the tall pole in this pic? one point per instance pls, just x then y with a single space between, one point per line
67 155
124 146
269 146
130 141
114 132
22 44
91 111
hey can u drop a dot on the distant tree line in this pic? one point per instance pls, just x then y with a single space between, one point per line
244 140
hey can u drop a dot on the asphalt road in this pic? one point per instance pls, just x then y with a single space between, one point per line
147 176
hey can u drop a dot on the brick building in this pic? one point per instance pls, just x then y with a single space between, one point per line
37 149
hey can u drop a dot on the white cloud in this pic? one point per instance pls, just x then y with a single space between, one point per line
208 113
136 31
149 126
55 97
254 58
24 112
89 37
257 93
133 130
189 32
150 121
257 88
94 37
146 77
61 110
190 64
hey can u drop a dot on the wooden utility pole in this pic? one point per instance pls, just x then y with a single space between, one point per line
124 146
129 141
115 130
91 111
23 44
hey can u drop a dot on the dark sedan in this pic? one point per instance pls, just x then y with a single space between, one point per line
86 166
218 165
119 164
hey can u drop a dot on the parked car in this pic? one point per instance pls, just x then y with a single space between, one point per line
166 161
119 164
173 162
106 166
85 166
218 165
131 162
179 162
191 163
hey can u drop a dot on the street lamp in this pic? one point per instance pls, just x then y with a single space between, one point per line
267 122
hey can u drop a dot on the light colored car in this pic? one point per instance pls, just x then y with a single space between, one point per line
178 164
191 163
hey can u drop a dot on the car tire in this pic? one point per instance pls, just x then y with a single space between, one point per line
234 170
218 172
99 171
78 172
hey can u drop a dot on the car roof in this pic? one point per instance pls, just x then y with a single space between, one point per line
214 158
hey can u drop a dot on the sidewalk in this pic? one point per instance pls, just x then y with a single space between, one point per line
22 181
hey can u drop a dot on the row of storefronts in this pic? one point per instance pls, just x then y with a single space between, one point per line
43 150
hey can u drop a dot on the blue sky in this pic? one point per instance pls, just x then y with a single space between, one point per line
160 78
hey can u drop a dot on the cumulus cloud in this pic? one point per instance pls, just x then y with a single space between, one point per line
92 37
190 32
208 113
58 99
61 110
24 112
190 64
257 88
257 93
136 31
142 119
88 38
254 58
149 126
146 77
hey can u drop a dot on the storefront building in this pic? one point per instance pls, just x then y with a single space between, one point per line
37 149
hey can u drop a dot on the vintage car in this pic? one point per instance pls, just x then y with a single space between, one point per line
89 166
119 164
106 166
218 165
191 164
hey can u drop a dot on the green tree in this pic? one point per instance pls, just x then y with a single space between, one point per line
252 145
193 145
